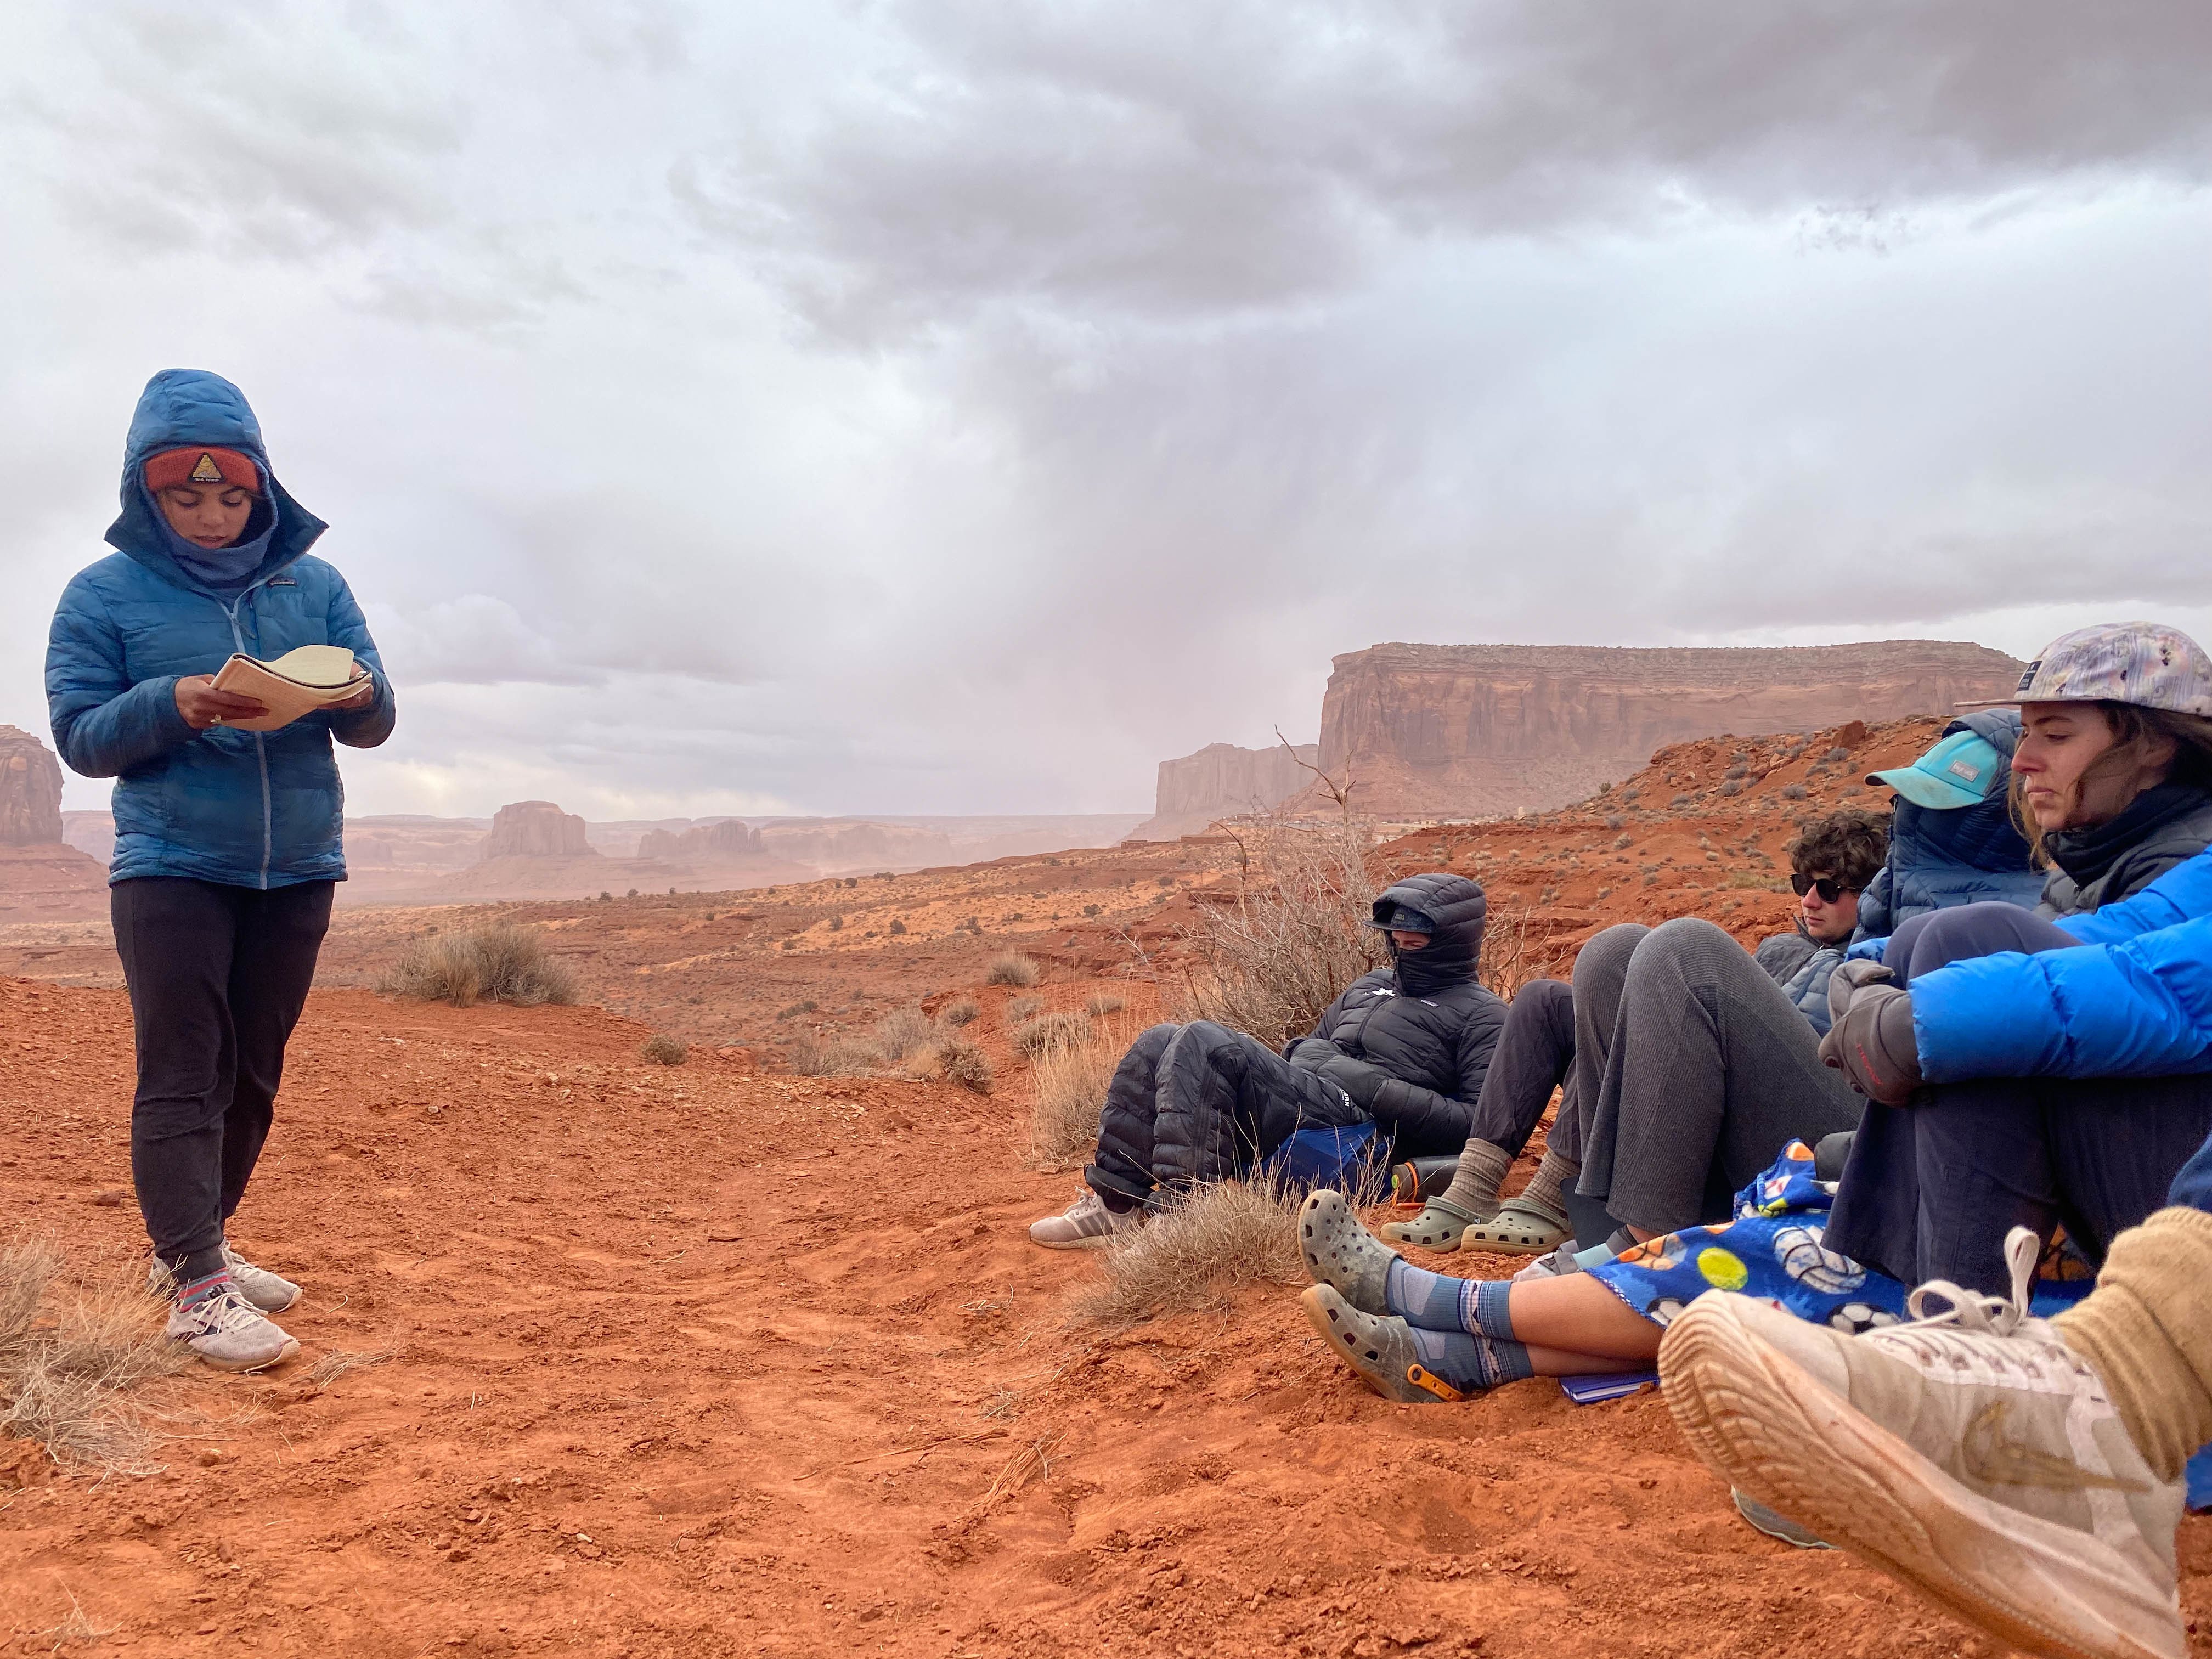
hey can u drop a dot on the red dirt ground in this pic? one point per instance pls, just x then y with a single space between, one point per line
712 1360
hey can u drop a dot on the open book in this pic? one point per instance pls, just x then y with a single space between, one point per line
302 680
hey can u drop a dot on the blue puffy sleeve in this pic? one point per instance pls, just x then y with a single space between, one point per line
359 728
103 724
2139 1008
2182 892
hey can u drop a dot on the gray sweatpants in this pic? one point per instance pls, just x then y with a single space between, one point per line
1697 1072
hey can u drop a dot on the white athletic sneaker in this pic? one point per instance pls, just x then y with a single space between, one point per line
264 1290
1085 1224
1970 1453
230 1333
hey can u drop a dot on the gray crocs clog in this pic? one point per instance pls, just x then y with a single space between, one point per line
1515 1231
1438 1227
1341 1254
1380 1350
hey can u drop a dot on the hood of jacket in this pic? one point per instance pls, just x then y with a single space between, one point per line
181 407
1453 955
1979 837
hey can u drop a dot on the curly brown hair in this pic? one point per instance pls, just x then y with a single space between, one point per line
1849 846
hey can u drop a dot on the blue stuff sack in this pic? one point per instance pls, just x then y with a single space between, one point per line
1337 1159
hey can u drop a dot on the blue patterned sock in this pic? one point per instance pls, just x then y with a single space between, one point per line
1471 1364
1429 1302
1493 1311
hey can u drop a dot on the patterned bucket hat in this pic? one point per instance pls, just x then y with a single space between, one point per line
2147 664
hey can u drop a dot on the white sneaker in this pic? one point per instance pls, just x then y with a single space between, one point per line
1085 1224
1970 1453
266 1290
230 1333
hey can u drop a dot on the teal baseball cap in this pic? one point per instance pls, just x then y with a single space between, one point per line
1959 771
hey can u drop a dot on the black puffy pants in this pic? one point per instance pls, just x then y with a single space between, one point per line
1195 1104
1931 1190
217 977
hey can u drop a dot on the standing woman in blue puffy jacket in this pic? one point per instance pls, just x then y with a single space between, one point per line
2029 1067
227 842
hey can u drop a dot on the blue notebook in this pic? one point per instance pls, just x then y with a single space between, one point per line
1605 1385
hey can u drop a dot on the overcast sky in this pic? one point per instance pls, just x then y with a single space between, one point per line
960 408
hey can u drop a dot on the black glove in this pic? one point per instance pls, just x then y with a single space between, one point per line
1310 1054
1356 1078
1871 1039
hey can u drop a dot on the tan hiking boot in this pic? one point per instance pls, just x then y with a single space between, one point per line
230 1333
1085 1224
1970 1453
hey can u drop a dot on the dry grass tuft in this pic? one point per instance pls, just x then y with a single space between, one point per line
1271 962
1222 1236
1012 967
1070 1080
904 1042
1021 1008
1041 1032
76 1627
662 1049
497 963
902 1032
1104 1004
74 1342
962 1011
336 1362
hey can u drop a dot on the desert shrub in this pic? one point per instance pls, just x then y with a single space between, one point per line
661 1050
1732 786
496 962
1010 968
958 1060
631 894
1837 755
795 1009
836 924
1270 963
1020 1008
605 896
1071 1079
1104 1003
1622 841
1681 800
1614 820
1738 770
1163 881
898 926
1090 909
1043 1031
958 1013
1794 792
74 1342
901 1032
1221 1237
790 945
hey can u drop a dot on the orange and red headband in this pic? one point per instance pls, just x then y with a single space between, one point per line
205 468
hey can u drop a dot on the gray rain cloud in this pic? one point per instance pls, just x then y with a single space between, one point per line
925 407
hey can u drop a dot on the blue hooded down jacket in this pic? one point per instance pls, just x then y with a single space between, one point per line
245 809
2136 1001
1957 855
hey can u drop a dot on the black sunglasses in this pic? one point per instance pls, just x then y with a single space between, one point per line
1831 890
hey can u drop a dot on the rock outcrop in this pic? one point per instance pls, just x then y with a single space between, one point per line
30 791
1222 780
536 829
1474 731
729 842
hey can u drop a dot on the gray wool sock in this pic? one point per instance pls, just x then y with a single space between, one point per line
1545 1191
1474 1188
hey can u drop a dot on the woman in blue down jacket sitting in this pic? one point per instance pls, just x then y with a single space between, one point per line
227 842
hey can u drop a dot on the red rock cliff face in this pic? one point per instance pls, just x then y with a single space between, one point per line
1220 780
1435 731
30 791
537 829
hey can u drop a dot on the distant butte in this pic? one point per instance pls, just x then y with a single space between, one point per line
1476 731
1222 780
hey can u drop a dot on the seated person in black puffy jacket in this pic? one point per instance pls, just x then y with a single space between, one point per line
1405 1048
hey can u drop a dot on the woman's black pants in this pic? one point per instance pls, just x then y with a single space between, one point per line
217 977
